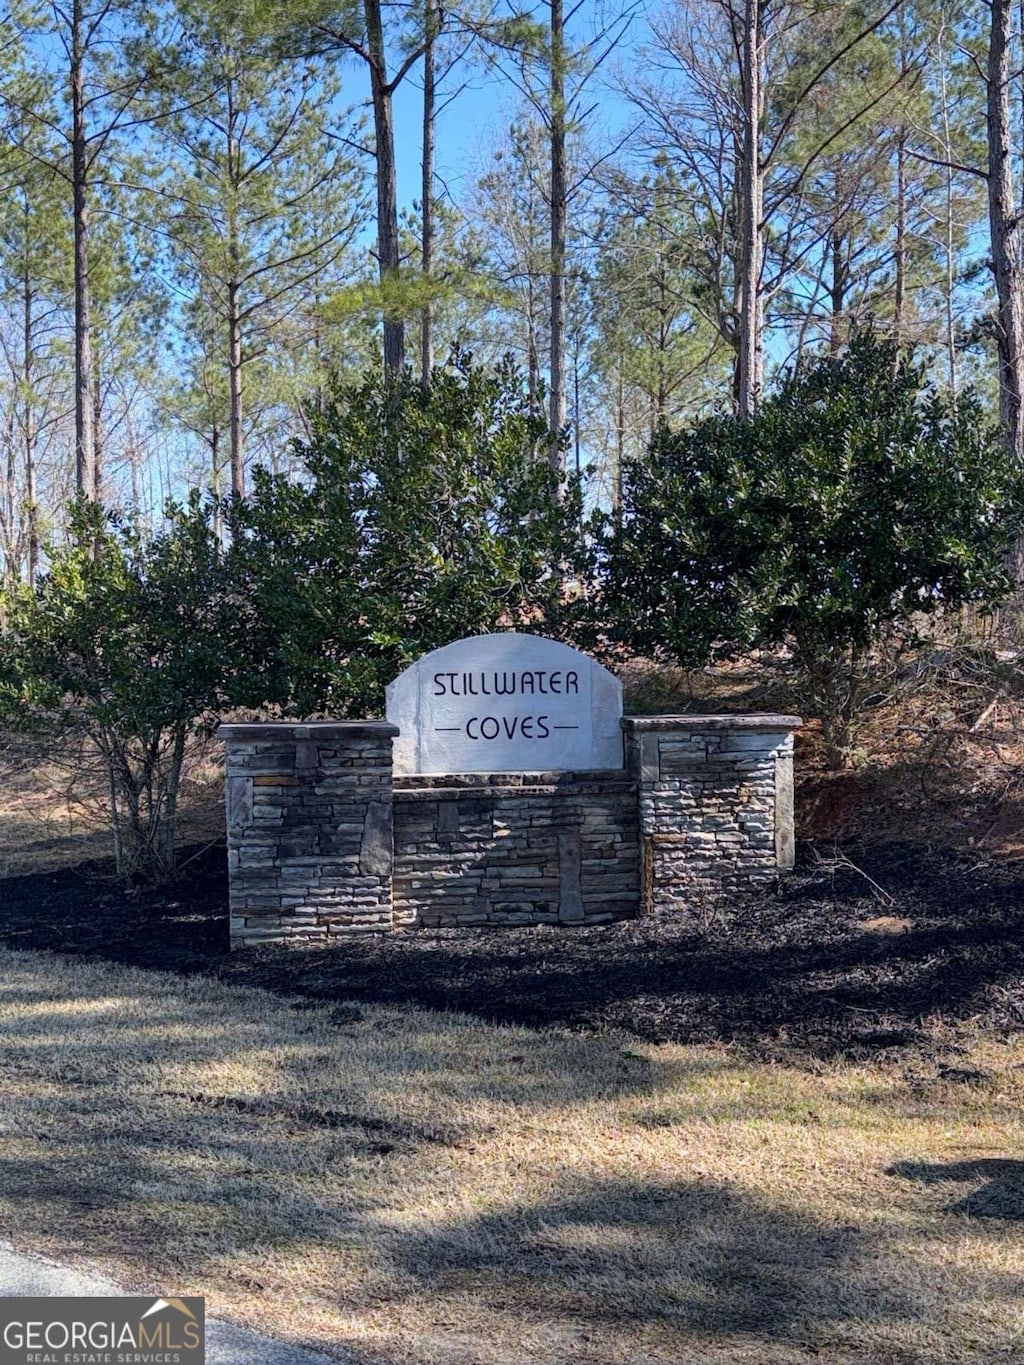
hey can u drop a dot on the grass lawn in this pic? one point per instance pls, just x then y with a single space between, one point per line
417 1188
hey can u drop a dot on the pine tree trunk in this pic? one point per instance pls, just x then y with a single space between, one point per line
950 249
10 558
751 208
556 455
949 226
432 22
97 430
236 434
620 437
28 344
664 333
235 392
215 482
387 192
532 349
85 480
900 289
1005 228
837 293
899 311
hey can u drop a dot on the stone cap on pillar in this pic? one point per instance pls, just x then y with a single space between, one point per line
255 731
690 721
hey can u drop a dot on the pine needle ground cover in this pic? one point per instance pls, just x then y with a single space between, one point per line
413 1187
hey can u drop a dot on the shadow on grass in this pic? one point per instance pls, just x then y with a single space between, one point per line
999 1182
298 1182
698 1255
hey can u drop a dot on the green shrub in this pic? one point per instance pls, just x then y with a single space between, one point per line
129 641
857 497
425 514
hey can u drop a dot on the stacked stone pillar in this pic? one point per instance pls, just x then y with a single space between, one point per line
310 829
716 803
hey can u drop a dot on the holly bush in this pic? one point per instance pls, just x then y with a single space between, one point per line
857 497
423 514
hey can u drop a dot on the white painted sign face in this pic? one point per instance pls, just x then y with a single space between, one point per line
504 704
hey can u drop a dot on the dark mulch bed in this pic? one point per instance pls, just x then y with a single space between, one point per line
824 963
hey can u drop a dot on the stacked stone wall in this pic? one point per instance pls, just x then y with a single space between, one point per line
716 803
324 841
539 848
310 841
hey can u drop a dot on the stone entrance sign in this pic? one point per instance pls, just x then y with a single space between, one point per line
505 703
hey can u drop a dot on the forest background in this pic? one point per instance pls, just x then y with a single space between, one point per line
712 340
749 258
647 205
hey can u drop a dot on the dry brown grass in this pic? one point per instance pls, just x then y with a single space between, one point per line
939 756
48 816
52 804
420 1188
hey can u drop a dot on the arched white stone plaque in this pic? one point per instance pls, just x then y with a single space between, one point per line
505 703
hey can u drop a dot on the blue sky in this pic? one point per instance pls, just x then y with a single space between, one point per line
462 126
479 113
